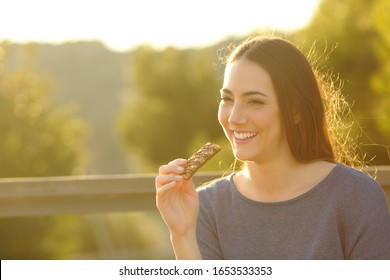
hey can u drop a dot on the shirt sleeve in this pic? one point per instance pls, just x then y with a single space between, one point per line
367 225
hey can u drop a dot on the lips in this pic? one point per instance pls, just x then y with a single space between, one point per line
242 136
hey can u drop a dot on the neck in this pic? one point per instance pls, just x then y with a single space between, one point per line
276 174
273 181
280 180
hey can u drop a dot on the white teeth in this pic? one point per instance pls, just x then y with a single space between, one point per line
244 135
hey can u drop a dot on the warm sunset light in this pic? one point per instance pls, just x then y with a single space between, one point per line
122 24
112 113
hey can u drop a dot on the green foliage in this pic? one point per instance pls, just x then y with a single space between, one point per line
354 38
39 138
138 235
93 78
41 237
174 105
380 82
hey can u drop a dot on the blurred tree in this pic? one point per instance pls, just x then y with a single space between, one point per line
91 77
173 109
38 138
350 33
381 80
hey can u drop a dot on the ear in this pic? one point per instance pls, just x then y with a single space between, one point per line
297 116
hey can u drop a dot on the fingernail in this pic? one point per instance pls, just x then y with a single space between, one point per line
180 169
178 178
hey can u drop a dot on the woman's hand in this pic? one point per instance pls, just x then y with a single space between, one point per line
176 198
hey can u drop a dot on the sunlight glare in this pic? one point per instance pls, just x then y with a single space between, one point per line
122 24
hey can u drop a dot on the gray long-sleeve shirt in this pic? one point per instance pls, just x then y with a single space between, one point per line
343 217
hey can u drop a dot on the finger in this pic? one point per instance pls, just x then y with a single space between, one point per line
162 180
179 162
171 169
165 188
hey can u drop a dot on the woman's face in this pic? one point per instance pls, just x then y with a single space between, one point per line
249 113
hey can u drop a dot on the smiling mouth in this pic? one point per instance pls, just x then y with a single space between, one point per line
244 135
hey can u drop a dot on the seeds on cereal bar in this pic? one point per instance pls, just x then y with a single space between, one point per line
200 158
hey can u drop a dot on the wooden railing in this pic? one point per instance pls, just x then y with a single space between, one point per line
97 194
81 194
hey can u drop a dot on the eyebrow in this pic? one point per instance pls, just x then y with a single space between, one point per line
247 93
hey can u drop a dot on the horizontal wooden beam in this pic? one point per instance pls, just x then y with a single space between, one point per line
43 196
81 194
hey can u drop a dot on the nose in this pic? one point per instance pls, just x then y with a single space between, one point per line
237 115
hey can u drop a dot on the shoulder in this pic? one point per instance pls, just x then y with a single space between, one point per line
216 187
357 194
217 192
355 183
363 214
352 173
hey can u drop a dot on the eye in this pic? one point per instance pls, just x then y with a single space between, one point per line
225 99
256 102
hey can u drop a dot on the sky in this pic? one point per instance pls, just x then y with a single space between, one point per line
125 24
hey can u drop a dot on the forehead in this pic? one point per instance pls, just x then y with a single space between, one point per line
244 75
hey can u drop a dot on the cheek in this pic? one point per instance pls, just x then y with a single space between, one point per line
222 116
273 122
223 119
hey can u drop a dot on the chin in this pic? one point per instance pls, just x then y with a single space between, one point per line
244 157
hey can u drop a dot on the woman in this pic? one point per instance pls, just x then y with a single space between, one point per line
293 199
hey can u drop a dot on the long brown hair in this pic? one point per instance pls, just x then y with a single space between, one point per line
301 98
